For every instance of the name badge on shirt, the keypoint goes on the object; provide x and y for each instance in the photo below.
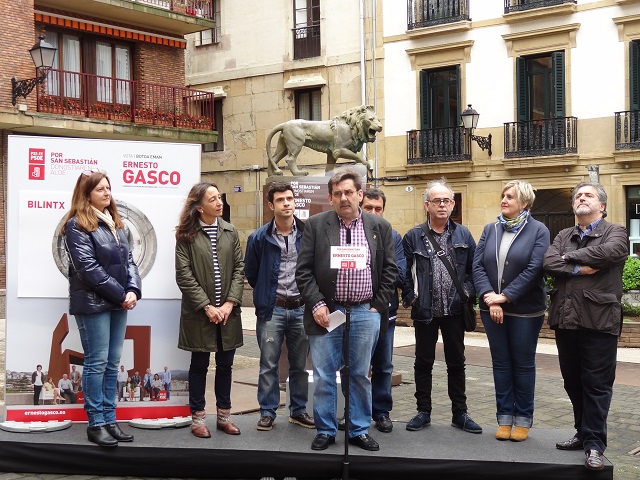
(349, 258)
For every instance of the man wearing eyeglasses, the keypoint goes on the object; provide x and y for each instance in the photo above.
(435, 303)
(365, 291)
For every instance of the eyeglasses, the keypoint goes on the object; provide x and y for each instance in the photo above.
(346, 193)
(88, 173)
(440, 201)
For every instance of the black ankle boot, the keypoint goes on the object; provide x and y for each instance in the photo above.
(100, 436)
(115, 431)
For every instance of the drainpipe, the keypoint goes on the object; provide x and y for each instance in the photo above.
(363, 69)
(375, 101)
(256, 169)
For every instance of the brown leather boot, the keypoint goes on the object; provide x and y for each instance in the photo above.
(519, 434)
(198, 426)
(225, 424)
(504, 432)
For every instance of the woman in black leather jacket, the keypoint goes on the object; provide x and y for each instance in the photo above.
(104, 284)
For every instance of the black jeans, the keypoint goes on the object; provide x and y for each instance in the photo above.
(36, 394)
(588, 365)
(452, 328)
(68, 393)
(198, 377)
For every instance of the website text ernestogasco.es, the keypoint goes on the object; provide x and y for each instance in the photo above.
(44, 413)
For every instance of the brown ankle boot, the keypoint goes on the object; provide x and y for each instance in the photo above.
(519, 434)
(225, 424)
(504, 432)
(198, 426)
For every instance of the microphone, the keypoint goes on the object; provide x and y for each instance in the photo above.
(348, 236)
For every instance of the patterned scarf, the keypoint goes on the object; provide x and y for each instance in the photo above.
(513, 225)
(106, 218)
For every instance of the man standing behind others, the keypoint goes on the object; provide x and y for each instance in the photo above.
(166, 381)
(146, 383)
(270, 267)
(435, 303)
(367, 291)
(122, 381)
(76, 379)
(586, 264)
(375, 201)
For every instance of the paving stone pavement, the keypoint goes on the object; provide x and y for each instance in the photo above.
(552, 410)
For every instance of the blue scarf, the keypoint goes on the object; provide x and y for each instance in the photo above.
(513, 225)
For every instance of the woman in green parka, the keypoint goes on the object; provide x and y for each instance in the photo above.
(210, 275)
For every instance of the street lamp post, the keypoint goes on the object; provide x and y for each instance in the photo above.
(470, 121)
(43, 55)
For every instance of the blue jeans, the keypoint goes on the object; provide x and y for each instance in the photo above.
(102, 337)
(513, 355)
(327, 359)
(381, 374)
(120, 390)
(270, 335)
(167, 388)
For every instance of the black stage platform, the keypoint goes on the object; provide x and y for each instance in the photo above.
(438, 451)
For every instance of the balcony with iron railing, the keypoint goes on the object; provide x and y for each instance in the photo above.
(546, 136)
(306, 42)
(106, 98)
(512, 6)
(428, 13)
(179, 17)
(437, 145)
(627, 130)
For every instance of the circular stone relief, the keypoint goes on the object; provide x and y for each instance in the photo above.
(139, 231)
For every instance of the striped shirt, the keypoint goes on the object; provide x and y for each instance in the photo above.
(212, 231)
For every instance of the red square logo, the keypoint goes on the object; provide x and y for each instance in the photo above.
(36, 172)
(36, 155)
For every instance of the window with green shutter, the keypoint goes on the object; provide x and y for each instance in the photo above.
(540, 89)
(440, 98)
(634, 75)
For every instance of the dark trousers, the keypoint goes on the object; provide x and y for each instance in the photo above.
(198, 377)
(588, 365)
(452, 329)
(36, 393)
(68, 393)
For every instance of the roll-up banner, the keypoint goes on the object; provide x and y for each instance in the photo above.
(149, 182)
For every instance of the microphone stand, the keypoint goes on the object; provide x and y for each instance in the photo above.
(346, 377)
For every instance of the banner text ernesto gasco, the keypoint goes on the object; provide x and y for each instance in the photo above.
(144, 169)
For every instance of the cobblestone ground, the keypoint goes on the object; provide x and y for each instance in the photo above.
(553, 410)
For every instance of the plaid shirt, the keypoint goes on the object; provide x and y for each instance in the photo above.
(354, 286)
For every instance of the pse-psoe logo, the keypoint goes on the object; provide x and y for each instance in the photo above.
(36, 164)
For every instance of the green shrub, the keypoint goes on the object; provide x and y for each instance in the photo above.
(548, 282)
(631, 274)
(630, 310)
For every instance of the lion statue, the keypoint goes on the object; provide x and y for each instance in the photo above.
(341, 137)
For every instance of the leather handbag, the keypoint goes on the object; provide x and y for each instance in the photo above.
(468, 304)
